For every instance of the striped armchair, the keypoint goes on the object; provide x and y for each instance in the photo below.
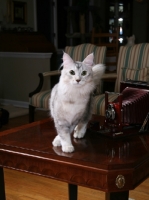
(40, 97)
(133, 63)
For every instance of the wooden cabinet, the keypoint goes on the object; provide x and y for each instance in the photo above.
(79, 25)
(119, 15)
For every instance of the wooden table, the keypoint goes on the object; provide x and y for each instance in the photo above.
(114, 166)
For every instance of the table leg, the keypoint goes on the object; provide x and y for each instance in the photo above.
(2, 185)
(73, 191)
(117, 195)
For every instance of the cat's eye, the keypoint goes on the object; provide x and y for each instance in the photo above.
(72, 72)
(84, 73)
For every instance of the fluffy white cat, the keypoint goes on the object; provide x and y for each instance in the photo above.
(71, 99)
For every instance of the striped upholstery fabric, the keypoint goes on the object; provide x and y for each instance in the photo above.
(133, 74)
(78, 53)
(40, 100)
(135, 57)
(99, 103)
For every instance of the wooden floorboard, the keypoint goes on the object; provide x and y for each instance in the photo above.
(23, 186)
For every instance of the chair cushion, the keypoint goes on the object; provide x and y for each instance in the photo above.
(99, 103)
(40, 100)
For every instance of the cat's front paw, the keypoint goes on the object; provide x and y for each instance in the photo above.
(68, 148)
(56, 142)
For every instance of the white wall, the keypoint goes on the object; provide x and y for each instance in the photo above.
(19, 74)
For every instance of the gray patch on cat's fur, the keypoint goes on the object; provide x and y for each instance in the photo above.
(87, 112)
(71, 102)
(78, 64)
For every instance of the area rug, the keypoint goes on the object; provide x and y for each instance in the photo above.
(15, 111)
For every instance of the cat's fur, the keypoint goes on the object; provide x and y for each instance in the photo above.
(130, 40)
(71, 99)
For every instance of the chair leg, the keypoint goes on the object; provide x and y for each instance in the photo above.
(31, 113)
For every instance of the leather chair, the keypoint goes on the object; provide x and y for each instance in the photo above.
(39, 98)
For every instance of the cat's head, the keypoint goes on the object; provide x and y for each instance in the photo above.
(76, 72)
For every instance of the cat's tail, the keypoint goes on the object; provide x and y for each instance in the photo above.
(98, 71)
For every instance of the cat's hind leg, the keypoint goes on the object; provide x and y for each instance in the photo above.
(80, 130)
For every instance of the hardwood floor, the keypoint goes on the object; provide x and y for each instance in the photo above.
(23, 186)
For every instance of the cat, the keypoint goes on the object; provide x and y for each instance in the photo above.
(72, 98)
(130, 40)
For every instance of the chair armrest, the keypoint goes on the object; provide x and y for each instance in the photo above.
(109, 76)
(57, 72)
(41, 80)
(51, 73)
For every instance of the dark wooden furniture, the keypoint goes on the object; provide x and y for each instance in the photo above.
(111, 165)
(110, 40)
(25, 42)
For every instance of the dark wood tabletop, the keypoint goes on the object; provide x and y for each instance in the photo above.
(112, 165)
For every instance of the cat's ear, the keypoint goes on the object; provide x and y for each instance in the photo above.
(89, 60)
(67, 60)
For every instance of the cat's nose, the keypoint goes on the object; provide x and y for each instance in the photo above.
(78, 80)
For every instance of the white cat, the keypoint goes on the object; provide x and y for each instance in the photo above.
(130, 40)
(71, 99)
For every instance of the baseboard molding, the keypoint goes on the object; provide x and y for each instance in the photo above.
(21, 104)
(25, 55)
